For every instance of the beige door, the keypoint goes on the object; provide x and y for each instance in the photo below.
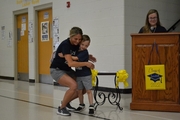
(44, 44)
(22, 47)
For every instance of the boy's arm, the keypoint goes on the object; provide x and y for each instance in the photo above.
(92, 58)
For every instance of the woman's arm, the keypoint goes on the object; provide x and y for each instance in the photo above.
(72, 63)
(73, 57)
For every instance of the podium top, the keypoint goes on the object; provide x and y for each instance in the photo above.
(154, 34)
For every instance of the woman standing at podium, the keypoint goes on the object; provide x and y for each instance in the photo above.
(152, 23)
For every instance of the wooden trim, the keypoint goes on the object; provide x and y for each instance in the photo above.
(155, 107)
(154, 34)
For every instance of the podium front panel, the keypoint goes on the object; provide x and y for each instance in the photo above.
(168, 48)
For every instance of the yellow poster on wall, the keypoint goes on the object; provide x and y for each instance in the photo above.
(155, 77)
(26, 3)
(35, 1)
(18, 1)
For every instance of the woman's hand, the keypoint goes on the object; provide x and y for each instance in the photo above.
(92, 58)
(61, 55)
(90, 65)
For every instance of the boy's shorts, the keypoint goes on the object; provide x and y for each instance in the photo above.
(85, 81)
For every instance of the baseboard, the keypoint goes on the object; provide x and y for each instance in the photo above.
(32, 80)
(106, 89)
(120, 90)
(6, 78)
(56, 84)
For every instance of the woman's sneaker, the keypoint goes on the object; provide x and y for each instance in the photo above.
(63, 111)
(80, 108)
(91, 110)
(70, 108)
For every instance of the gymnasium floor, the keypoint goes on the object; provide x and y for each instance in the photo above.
(21, 100)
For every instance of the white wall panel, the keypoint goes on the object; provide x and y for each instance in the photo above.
(109, 23)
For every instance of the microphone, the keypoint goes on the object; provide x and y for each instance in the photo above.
(153, 29)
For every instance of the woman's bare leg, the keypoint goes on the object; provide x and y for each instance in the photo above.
(67, 81)
(75, 95)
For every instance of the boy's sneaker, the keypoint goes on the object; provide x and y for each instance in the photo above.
(63, 111)
(70, 108)
(80, 108)
(91, 110)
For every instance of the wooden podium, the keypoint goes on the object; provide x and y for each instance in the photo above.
(169, 50)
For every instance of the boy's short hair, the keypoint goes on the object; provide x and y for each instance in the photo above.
(86, 38)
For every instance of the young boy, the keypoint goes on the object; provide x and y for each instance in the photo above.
(83, 75)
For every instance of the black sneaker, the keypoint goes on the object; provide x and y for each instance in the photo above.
(80, 108)
(70, 108)
(91, 110)
(63, 111)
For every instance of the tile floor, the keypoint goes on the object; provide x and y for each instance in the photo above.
(21, 100)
